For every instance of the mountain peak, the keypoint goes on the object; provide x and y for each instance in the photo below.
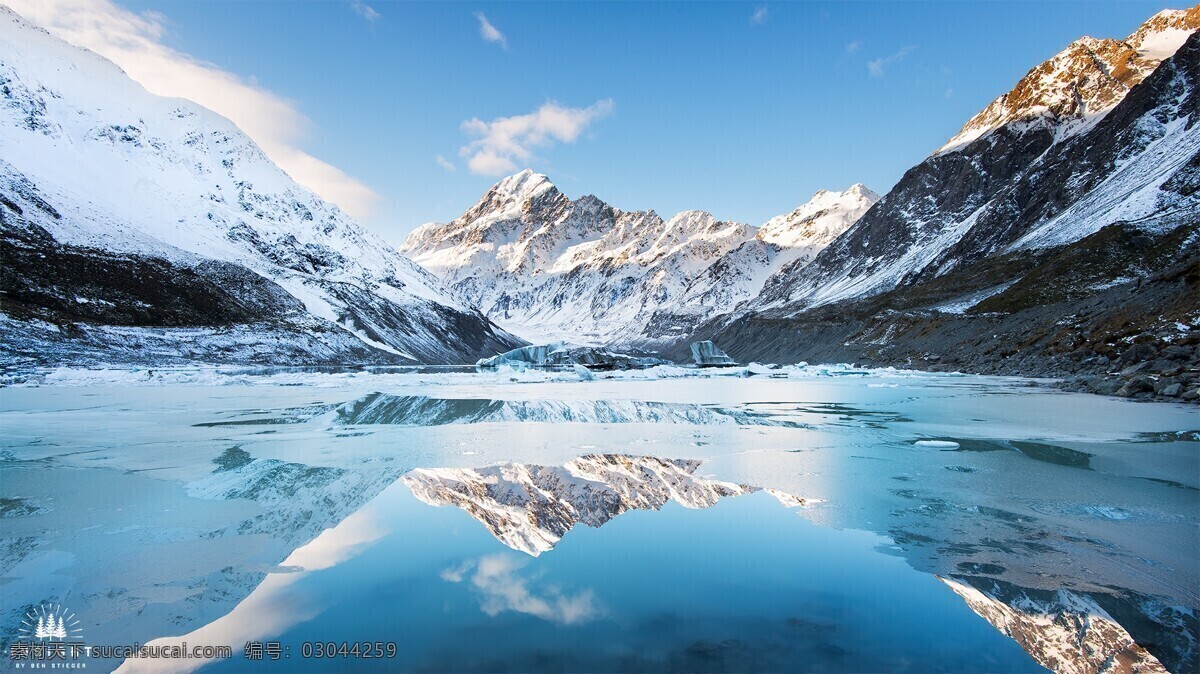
(511, 196)
(691, 218)
(861, 190)
(208, 231)
(523, 185)
(1078, 86)
(1164, 33)
(821, 219)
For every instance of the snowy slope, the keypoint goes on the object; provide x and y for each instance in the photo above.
(127, 172)
(1034, 174)
(547, 267)
(787, 241)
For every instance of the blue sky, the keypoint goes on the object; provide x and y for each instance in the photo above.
(741, 109)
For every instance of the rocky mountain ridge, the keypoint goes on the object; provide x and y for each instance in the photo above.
(1029, 250)
(1074, 89)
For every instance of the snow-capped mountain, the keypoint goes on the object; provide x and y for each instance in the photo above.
(134, 223)
(1078, 86)
(1046, 164)
(548, 267)
(787, 241)
(1056, 230)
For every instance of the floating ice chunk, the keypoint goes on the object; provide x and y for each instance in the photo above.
(1108, 512)
(937, 444)
(559, 354)
(535, 354)
(706, 354)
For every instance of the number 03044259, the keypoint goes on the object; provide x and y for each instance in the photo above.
(344, 649)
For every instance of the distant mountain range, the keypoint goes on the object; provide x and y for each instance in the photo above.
(549, 268)
(1058, 233)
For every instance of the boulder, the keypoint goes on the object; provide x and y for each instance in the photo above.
(1139, 384)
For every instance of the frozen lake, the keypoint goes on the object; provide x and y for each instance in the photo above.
(800, 519)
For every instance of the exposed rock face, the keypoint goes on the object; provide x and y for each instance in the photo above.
(583, 271)
(141, 228)
(529, 508)
(1028, 250)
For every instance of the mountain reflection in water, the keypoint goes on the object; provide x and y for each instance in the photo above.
(996, 545)
(1065, 631)
(382, 408)
(529, 508)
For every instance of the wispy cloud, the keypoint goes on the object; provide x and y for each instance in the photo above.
(134, 42)
(853, 46)
(876, 66)
(502, 588)
(759, 16)
(445, 163)
(489, 32)
(948, 94)
(504, 141)
(365, 11)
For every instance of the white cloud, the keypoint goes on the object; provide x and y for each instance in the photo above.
(365, 11)
(133, 42)
(489, 32)
(949, 93)
(504, 141)
(502, 589)
(876, 66)
(759, 16)
(853, 46)
(445, 163)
